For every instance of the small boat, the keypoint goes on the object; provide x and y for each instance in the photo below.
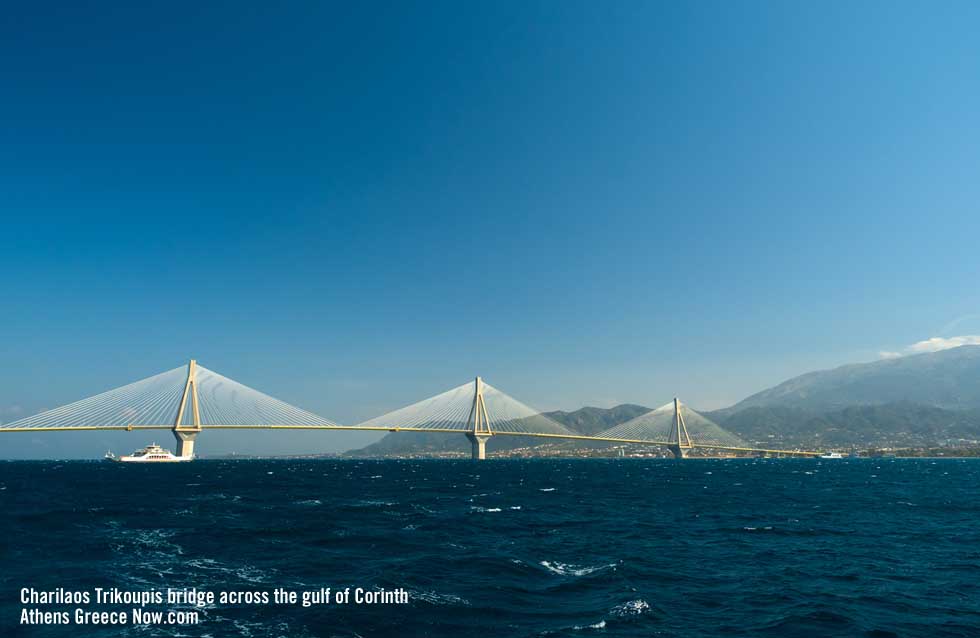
(152, 453)
(832, 455)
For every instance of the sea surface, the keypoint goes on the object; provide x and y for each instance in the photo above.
(782, 548)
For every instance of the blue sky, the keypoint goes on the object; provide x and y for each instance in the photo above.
(352, 208)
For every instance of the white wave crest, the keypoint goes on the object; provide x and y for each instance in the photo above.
(631, 608)
(564, 569)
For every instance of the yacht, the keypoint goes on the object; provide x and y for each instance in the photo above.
(832, 455)
(152, 453)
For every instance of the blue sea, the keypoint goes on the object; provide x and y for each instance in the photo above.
(782, 548)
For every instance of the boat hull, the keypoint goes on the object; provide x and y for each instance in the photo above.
(137, 459)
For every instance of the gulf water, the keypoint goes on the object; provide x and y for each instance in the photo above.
(782, 548)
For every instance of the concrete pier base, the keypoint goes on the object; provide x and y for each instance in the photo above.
(185, 442)
(678, 451)
(479, 442)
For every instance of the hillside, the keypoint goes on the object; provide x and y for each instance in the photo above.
(899, 424)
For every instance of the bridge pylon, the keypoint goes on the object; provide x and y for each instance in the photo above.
(187, 433)
(679, 438)
(479, 422)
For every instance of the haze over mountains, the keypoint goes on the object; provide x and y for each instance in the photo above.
(921, 400)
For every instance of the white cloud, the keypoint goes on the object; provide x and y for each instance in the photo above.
(934, 344)
(944, 343)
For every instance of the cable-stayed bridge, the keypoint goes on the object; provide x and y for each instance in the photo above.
(191, 398)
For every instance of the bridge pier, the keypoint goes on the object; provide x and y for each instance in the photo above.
(677, 451)
(479, 442)
(185, 442)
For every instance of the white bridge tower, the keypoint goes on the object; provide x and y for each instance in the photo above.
(478, 425)
(185, 434)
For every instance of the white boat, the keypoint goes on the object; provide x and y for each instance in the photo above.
(832, 455)
(152, 453)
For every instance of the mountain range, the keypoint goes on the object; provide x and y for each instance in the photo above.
(948, 379)
(930, 399)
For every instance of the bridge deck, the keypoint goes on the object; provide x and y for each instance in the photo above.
(380, 428)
